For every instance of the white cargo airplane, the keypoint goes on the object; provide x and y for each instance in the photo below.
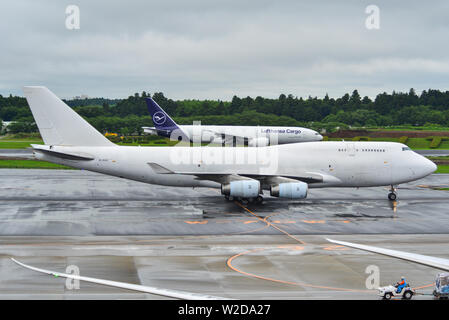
(255, 136)
(242, 173)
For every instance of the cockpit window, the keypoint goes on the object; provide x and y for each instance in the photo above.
(317, 134)
(405, 148)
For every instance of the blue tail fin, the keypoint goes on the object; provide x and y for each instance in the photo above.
(162, 121)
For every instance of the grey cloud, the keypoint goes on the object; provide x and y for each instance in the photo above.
(215, 49)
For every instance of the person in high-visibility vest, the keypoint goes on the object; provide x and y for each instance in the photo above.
(401, 285)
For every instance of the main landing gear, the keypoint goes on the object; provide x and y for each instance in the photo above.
(392, 195)
(258, 199)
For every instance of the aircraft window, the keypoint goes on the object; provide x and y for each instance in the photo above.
(405, 148)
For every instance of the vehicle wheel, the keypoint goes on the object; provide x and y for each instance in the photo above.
(392, 196)
(259, 199)
(387, 296)
(407, 295)
(227, 197)
(244, 201)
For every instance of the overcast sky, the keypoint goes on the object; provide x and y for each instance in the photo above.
(217, 49)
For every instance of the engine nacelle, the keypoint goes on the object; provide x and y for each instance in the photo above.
(291, 190)
(241, 188)
(259, 142)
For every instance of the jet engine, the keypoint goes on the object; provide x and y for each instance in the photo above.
(259, 142)
(241, 188)
(291, 190)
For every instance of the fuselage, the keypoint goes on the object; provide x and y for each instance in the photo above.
(341, 164)
(218, 134)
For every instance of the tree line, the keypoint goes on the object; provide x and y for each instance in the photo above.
(129, 115)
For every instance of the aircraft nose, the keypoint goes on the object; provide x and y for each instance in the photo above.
(428, 166)
(431, 166)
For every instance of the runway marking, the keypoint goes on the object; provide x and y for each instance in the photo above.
(313, 221)
(250, 221)
(291, 247)
(335, 248)
(283, 222)
(196, 222)
(230, 265)
(270, 224)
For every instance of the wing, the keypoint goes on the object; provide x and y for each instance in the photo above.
(135, 287)
(223, 177)
(438, 263)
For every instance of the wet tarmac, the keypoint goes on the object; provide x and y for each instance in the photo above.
(194, 240)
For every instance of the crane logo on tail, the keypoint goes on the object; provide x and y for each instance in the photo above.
(159, 118)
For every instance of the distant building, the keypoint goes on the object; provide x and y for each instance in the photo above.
(81, 97)
(6, 123)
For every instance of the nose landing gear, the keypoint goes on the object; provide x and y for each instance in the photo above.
(392, 196)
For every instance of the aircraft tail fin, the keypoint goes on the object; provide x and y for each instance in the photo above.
(58, 123)
(162, 121)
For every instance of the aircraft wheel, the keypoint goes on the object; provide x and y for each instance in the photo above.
(244, 201)
(227, 197)
(392, 196)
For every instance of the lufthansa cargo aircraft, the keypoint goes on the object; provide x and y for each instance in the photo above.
(287, 171)
(254, 136)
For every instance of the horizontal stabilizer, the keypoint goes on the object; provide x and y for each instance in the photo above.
(63, 155)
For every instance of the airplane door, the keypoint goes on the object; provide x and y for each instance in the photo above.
(385, 172)
(351, 174)
(351, 149)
